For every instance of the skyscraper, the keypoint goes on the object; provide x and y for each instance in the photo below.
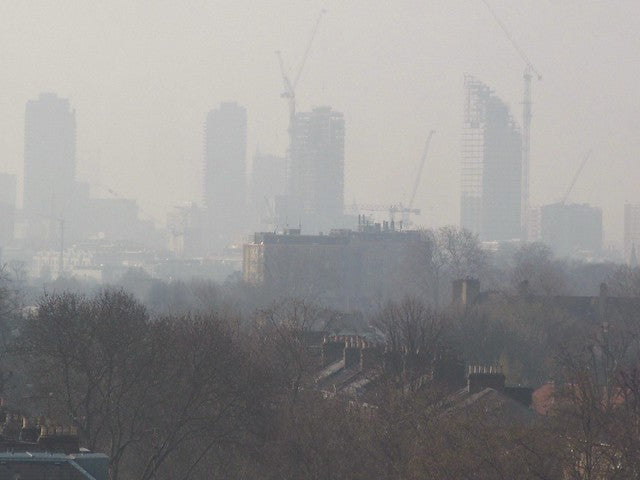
(631, 232)
(225, 151)
(49, 156)
(316, 171)
(491, 166)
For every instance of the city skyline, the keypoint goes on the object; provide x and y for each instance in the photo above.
(392, 89)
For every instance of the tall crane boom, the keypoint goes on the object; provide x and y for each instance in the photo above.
(290, 90)
(512, 40)
(289, 86)
(420, 168)
(308, 48)
(576, 176)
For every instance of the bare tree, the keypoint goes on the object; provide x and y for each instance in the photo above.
(413, 333)
(535, 270)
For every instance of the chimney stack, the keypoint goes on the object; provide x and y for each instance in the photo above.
(481, 377)
(351, 354)
(466, 291)
(331, 350)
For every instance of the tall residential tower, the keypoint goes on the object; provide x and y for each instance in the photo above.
(491, 166)
(315, 187)
(225, 152)
(49, 156)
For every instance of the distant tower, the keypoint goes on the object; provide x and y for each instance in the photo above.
(316, 171)
(49, 156)
(225, 151)
(491, 167)
(631, 231)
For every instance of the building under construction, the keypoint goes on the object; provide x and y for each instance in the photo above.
(491, 166)
(316, 170)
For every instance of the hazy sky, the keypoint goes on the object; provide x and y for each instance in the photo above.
(141, 76)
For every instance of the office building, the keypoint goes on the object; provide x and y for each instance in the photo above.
(491, 166)
(49, 156)
(572, 230)
(225, 151)
(342, 269)
(315, 189)
(631, 233)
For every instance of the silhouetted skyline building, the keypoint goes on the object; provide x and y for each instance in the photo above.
(491, 166)
(49, 156)
(315, 187)
(572, 230)
(225, 152)
(631, 232)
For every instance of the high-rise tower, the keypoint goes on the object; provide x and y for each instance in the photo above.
(49, 156)
(491, 166)
(225, 151)
(632, 233)
(316, 171)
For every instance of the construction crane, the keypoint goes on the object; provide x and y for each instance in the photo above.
(289, 86)
(400, 208)
(575, 177)
(527, 115)
(423, 159)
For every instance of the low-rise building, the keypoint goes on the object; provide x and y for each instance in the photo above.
(345, 269)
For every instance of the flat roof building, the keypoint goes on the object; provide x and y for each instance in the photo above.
(315, 187)
(572, 230)
(345, 269)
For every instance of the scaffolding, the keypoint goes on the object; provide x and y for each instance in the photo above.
(491, 166)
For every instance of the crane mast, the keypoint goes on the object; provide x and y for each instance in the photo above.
(526, 151)
(290, 87)
(290, 91)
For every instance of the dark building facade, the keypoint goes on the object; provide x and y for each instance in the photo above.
(491, 166)
(344, 269)
(225, 151)
(49, 156)
(315, 187)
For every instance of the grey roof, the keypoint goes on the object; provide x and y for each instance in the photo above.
(81, 466)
